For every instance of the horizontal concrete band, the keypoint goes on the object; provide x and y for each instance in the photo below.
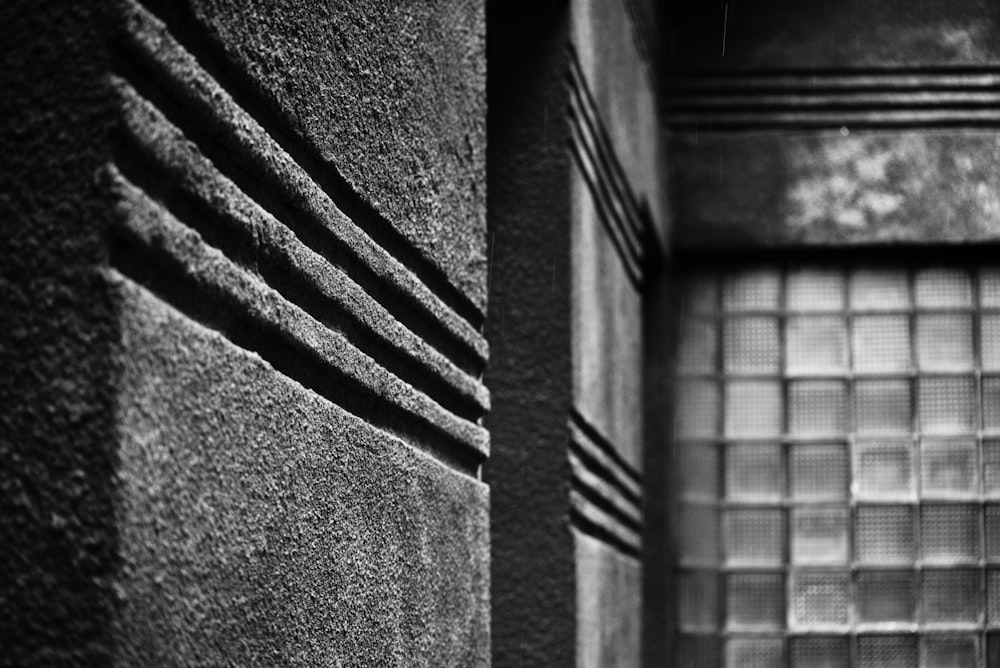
(300, 191)
(153, 248)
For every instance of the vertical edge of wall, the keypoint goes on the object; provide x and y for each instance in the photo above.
(528, 328)
(58, 538)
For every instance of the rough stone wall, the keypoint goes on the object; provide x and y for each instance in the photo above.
(244, 265)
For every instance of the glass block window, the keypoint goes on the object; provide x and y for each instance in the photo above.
(837, 449)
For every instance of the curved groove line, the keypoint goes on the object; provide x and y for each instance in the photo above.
(605, 496)
(149, 246)
(609, 472)
(630, 476)
(596, 530)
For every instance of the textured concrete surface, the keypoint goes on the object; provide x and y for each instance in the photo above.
(394, 98)
(609, 606)
(261, 525)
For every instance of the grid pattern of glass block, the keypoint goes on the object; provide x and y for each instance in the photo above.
(837, 442)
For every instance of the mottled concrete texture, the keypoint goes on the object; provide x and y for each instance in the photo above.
(828, 189)
(392, 94)
(261, 525)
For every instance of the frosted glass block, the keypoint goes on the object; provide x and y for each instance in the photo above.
(883, 469)
(951, 596)
(815, 290)
(754, 536)
(819, 472)
(817, 407)
(821, 652)
(816, 344)
(886, 596)
(942, 288)
(881, 342)
(753, 290)
(698, 600)
(950, 651)
(992, 521)
(749, 652)
(884, 535)
(883, 406)
(879, 289)
(949, 532)
(949, 468)
(751, 345)
(944, 341)
(993, 597)
(989, 341)
(991, 467)
(991, 403)
(819, 535)
(697, 412)
(753, 408)
(755, 601)
(699, 534)
(947, 405)
(820, 599)
(754, 472)
(887, 651)
(699, 294)
(989, 287)
(699, 651)
(698, 470)
(698, 348)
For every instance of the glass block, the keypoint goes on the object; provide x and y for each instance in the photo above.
(884, 535)
(699, 651)
(949, 468)
(992, 522)
(698, 600)
(818, 472)
(989, 341)
(949, 532)
(820, 652)
(748, 652)
(815, 290)
(755, 601)
(879, 290)
(947, 405)
(991, 402)
(887, 651)
(883, 469)
(753, 408)
(754, 536)
(944, 341)
(991, 467)
(881, 342)
(699, 534)
(752, 290)
(951, 596)
(816, 344)
(993, 597)
(751, 345)
(697, 412)
(820, 599)
(819, 535)
(817, 407)
(950, 651)
(883, 406)
(886, 596)
(698, 470)
(942, 288)
(753, 472)
(698, 347)
(699, 293)
(989, 287)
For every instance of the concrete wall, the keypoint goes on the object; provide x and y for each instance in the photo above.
(244, 271)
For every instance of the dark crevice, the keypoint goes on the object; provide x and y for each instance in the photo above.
(598, 500)
(598, 439)
(597, 532)
(604, 473)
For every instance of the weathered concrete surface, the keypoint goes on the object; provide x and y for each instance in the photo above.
(823, 188)
(261, 525)
(609, 607)
(785, 34)
(392, 94)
